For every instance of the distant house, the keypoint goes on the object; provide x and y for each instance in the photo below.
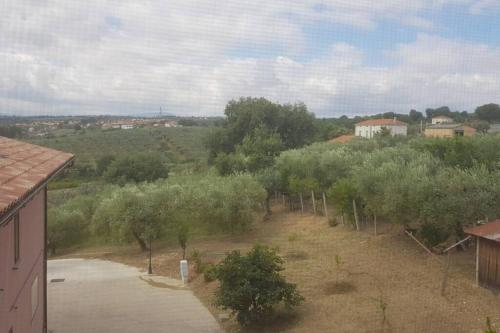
(368, 128)
(126, 126)
(342, 139)
(441, 120)
(25, 170)
(449, 131)
(487, 253)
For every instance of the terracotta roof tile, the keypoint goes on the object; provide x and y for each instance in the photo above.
(23, 168)
(342, 139)
(381, 122)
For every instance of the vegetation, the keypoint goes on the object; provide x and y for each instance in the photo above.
(255, 131)
(440, 184)
(134, 168)
(181, 149)
(158, 210)
(251, 285)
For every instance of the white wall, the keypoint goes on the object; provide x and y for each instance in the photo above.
(370, 131)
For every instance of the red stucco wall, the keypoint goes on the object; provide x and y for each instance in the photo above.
(15, 300)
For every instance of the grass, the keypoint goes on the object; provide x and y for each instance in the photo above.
(385, 282)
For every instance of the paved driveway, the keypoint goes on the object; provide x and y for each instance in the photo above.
(102, 296)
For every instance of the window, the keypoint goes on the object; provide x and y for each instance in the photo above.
(17, 253)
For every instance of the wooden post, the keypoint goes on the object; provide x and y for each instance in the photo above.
(343, 222)
(375, 224)
(283, 197)
(445, 276)
(419, 243)
(314, 202)
(324, 205)
(355, 214)
(301, 203)
(477, 261)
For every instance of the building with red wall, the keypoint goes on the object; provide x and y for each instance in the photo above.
(25, 171)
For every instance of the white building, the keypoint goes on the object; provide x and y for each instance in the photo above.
(368, 128)
(438, 120)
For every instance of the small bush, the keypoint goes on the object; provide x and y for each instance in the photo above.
(195, 257)
(210, 273)
(332, 222)
(251, 285)
(489, 328)
(432, 234)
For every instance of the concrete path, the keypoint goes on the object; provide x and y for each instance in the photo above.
(103, 296)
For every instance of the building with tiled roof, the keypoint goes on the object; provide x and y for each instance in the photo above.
(369, 128)
(441, 120)
(25, 171)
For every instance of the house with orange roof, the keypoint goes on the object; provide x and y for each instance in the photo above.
(25, 171)
(369, 128)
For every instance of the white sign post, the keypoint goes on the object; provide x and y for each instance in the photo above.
(184, 271)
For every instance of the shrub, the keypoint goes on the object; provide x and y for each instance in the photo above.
(210, 273)
(433, 234)
(251, 285)
(195, 257)
(489, 328)
(332, 222)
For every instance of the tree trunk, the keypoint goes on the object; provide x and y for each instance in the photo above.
(268, 205)
(314, 202)
(283, 197)
(324, 205)
(355, 214)
(141, 242)
(301, 203)
(375, 223)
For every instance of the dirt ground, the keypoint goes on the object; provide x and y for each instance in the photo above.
(384, 283)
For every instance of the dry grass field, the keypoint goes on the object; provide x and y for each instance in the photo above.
(384, 283)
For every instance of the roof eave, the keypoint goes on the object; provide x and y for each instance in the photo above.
(16, 207)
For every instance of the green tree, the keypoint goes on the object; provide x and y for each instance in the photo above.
(488, 112)
(65, 228)
(127, 215)
(182, 237)
(251, 285)
(103, 163)
(141, 167)
(260, 148)
(252, 118)
(269, 179)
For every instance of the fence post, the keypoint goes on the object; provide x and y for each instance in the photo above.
(355, 214)
(301, 203)
(314, 202)
(324, 205)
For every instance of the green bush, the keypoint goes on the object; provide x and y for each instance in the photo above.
(251, 285)
(433, 234)
(332, 222)
(195, 257)
(210, 273)
(136, 168)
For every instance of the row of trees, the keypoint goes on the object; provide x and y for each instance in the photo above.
(439, 185)
(162, 209)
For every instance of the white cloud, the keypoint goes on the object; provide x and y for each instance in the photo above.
(126, 56)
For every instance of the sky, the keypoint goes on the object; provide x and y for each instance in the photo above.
(190, 57)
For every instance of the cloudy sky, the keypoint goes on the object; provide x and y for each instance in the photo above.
(191, 56)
